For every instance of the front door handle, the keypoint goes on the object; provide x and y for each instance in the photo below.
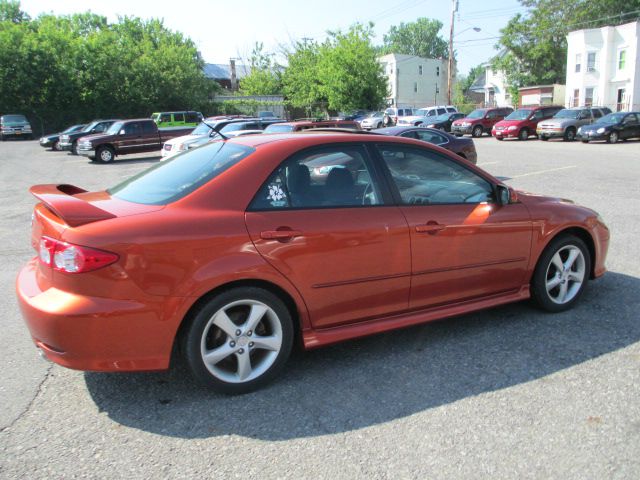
(280, 234)
(430, 227)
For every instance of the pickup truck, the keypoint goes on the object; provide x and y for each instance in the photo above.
(125, 137)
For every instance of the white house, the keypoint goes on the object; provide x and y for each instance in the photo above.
(493, 84)
(415, 81)
(603, 67)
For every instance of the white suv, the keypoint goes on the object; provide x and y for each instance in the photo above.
(425, 115)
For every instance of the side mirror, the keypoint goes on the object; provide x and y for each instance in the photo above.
(121, 132)
(506, 195)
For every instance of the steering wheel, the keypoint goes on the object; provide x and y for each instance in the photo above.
(477, 192)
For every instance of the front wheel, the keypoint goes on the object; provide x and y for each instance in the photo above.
(523, 135)
(543, 138)
(499, 139)
(105, 154)
(561, 274)
(570, 135)
(613, 137)
(476, 132)
(239, 340)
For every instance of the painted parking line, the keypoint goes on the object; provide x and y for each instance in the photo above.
(544, 171)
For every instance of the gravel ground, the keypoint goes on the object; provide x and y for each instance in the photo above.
(506, 393)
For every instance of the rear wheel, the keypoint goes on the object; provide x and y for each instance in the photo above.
(570, 134)
(561, 274)
(477, 131)
(239, 340)
(585, 141)
(523, 135)
(613, 137)
(105, 154)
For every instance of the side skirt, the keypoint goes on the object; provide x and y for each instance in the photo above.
(314, 338)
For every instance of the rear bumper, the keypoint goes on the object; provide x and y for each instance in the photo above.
(92, 333)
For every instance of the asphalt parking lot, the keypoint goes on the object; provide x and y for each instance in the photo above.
(507, 393)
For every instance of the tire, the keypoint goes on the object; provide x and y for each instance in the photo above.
(523, 135)
(499, 139)
(543, 138)
(613, 137)
(227, 329)
(569, 134)
(558, 281)
(477, 131)
(379, 125)
(584, 141)
(105, 154)
(74, 148)
(56, 147)
(417, 124)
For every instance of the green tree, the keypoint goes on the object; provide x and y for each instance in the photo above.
(10, 12)
(342, 73)
(264, 78)
(536, 44)
(419, 38)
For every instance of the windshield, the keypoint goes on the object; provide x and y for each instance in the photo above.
(521, 114)
(74, 128)
(479, 113)
(567, 113)
(375, 114)
(10, 119)
(612, 118)
(278, 128)
(172, 180)
(89, 127)
(202, 129)
(115, 128)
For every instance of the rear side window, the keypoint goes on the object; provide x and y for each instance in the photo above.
(147, 128)
(441, 111)
(165, 117)
(451, 110)
(178, 117)
(174, 179)
(133, 128)
(597, 113)
(192, 117)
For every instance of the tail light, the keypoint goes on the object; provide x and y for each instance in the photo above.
(70, 258)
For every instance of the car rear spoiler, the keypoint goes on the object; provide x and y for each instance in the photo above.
(74, 211)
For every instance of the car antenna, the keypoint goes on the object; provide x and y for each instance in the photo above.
(224, 137)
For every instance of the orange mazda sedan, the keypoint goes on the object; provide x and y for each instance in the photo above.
(233, 251)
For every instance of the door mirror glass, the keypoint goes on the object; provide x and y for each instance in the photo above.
(506, 195)
(122, 132)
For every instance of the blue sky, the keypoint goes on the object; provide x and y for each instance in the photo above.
(225, 29)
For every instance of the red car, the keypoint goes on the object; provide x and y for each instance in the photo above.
(232, 252)
(480, 121)
(523, 122)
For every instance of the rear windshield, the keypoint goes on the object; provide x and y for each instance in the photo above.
(521, 114)
(278, 128)
(174, 179)
(13, 119)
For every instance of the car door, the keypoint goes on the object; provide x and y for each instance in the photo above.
(323, 220)
(129, 137)
(464, 245)
(630, 126)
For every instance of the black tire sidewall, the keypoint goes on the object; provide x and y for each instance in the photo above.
(192, 336)
(522, 136)
(476, 132)
(99, 154)
(538, 281)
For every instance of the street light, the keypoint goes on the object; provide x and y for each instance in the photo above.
(450, 68)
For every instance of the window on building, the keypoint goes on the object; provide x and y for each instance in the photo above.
(578, 62)
(419, 69)
(415, 87)
(588, 96)
(591, 62)
(437, 71)
(622, 58)
(576, 98)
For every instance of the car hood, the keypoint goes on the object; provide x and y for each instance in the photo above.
(95, 136)
(595, 126)
(529, 198)
(460, 121)
(557, 122)
(509, 123)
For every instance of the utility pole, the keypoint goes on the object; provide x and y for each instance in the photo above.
(454, 9)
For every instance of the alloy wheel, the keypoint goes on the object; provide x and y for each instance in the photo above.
(565, 274)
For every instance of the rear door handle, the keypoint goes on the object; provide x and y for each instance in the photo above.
(430, 227)
(280, 234)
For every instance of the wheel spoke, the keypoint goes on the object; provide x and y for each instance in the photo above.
(573, 254)
(255, 315)
(224, 323)
(267, 343)
(217, 354)
(557, 262)
(244, 364)
(553, 283)
(575, 277)
(562, 295)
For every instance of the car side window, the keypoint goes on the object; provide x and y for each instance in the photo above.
(191, 117)
(101, 127)
(165, 117)
(423, 177)
(431, 137)
(178, 117)
(409, 134)
(337, 176)
(147, 128)
(538, 115)
(492, 114)
(451, 109)
(132, 128)
(596, 112)
(630, 119)
(441, 111)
